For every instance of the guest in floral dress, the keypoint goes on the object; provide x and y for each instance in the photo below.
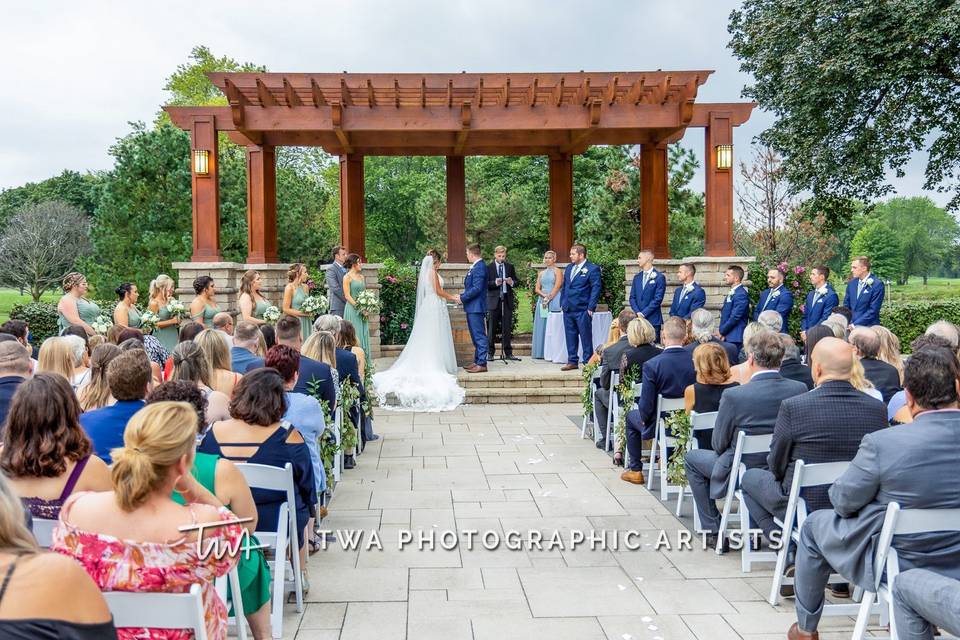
(129, 539)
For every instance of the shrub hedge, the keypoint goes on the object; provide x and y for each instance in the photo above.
(398, 301)
(907, 320)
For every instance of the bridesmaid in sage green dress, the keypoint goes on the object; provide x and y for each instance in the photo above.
(74, 308)
(161, 293)
(352, 286)
(204, 307)
(125, 314)
(251, 303)
(293, 296)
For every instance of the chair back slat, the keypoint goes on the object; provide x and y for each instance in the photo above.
(158, 610)
(912, 521)
(759, 443)
(702, 421)
(671, 404)
(43, 531)
(821, 473)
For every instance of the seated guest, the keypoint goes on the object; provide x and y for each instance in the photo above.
(889, 349)
(350, 362)
(859, 380)
(256, 433)
(771, 320)
(133, 538)
(641, 336)
(668, 374)
(613, 335)
(56, 356)
(190, 364)
(814, 335)
(791, 368)
(610, 362)
(217, 353)
(222, 478)
(134, 339)
(897, 410)
(915, 465)
(96, 393)
(129, 378)
(289, 333)
(188, 331)
(21, 331)
(946, 330)
(269, 336)
(44, 595)
(751, 408)
(741, 372)
(843, 311)
(223, 325)
(838, 324)
(825, 425)
(15, 367)
(703, 327)
(347, 340)
(246, 342)
(884, 377)
(46, 455)
(713, 378)
(81, 356)
(924, 601)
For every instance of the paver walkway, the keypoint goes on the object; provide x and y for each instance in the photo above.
(518, 467)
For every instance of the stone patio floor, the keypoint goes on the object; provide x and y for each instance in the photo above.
(519, 467)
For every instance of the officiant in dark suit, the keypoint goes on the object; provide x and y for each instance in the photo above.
(501, 280)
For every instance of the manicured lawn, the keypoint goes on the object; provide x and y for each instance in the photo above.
(935, 289)
(524, 313)
(11, 297)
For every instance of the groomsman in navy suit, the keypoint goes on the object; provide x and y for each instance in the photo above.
(777, 298)
(646, 292)
(864, 295)
(578, 300)
(819, 301)
(689, 296)
(474, 301)
(736, 308)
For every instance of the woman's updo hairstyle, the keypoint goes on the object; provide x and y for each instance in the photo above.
(351, 260)
(123, 290)
(155, 439)
(437, 258)
(161, 283)
(294, 271)
(201, 283)
(72, 280)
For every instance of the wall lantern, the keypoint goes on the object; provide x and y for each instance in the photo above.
(724, 156)
(201, 162)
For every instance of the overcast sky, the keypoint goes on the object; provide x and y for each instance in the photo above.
(77, 72)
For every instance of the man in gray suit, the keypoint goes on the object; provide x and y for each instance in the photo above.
(752, 408)
(610, 362)
(922, 599)
(913, 464)
(334, 279)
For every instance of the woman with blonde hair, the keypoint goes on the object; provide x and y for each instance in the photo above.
(161, 293)
(44, 595)
(613, 336)
(252, 304)
(215, 350)
(74, 308)
(889, 348)
(858, 378)
(96, 393)
(641, 336)
(549, 284)
(56, 356)
(293, 296)
(322, 346)
(190, 363)
(136, 537)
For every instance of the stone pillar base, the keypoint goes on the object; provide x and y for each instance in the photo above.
(709, 276)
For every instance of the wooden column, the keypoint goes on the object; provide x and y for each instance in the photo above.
(654, 226)
(261, 205)
(206, 192)
(351, 204)
(718, 218)
(456, 210)
(561, 204)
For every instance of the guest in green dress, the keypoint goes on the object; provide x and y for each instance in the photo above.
(125, 314)
(204, 306)
(352, 286)
(74, 308)
(222, 478)
(161, 293)
(293, 296)
(252, 304)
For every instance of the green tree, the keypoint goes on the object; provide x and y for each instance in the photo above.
(877, 240)
(189, 85)
(686, 205)
(856, 88)
(70, 187)
(927, 234)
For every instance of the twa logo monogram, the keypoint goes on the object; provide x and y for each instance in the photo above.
(218, 548)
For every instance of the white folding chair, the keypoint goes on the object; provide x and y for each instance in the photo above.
(158, 610)
(746, 444)
(237, 620)
(613, 400)
(898, 522)
(660, 444)
(804, 476)
(338, 436)
(43, 531)
(592, 416)
(287, 575)
(698, 422)
(616, 419)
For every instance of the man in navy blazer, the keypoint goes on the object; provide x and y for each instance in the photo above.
(864, 295)
(689, 296)
(129, 377)
(578, 300)
(776, 298)
(736, 308)
(668, 374)
(245, 341)
(474, 301)
(647, 290)
(819, 302)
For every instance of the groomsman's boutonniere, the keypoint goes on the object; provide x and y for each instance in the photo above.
(869, 281)
(775, 294)
(729, 297)
(583, 271)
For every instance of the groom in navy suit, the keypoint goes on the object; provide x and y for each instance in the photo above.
(474, 301)
(578, 300)
(864, 295)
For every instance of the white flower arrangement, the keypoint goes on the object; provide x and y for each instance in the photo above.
(869, 281)
(583, 271)
(367, 303)
(315, 304)
(148, 321)
(175, 308)
(271, 314)
(102, 324)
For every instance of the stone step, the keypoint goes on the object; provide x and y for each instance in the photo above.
(539, 395)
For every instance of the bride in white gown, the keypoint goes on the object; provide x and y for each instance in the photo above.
(424, 376)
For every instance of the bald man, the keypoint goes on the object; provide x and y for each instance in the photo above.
(823, 425)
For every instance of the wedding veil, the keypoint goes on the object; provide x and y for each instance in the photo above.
(424, 284)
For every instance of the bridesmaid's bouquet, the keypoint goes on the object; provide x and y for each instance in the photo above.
(367, 303)
(315, 304)
(148, 321)
(102, 324)
(271, 314)
(176, 309)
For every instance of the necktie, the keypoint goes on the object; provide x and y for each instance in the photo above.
(503, 282)
(573, 273)
(646, 278)
(860, 288)
(767, 301)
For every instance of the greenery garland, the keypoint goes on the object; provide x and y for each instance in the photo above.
(679, 426)
(327, 441)
(586, 396)
(626, 396)
(349, 394)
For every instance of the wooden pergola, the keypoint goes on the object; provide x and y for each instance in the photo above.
(558, 115)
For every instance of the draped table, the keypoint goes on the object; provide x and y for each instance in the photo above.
(555, 341)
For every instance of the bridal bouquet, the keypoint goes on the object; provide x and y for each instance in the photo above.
(176, 309)
(271, 314)
(148, 321)
(315, 304)
(367, 303)
(102, 324)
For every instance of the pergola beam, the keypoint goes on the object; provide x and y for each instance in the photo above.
(293, 100)
(266, 98)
